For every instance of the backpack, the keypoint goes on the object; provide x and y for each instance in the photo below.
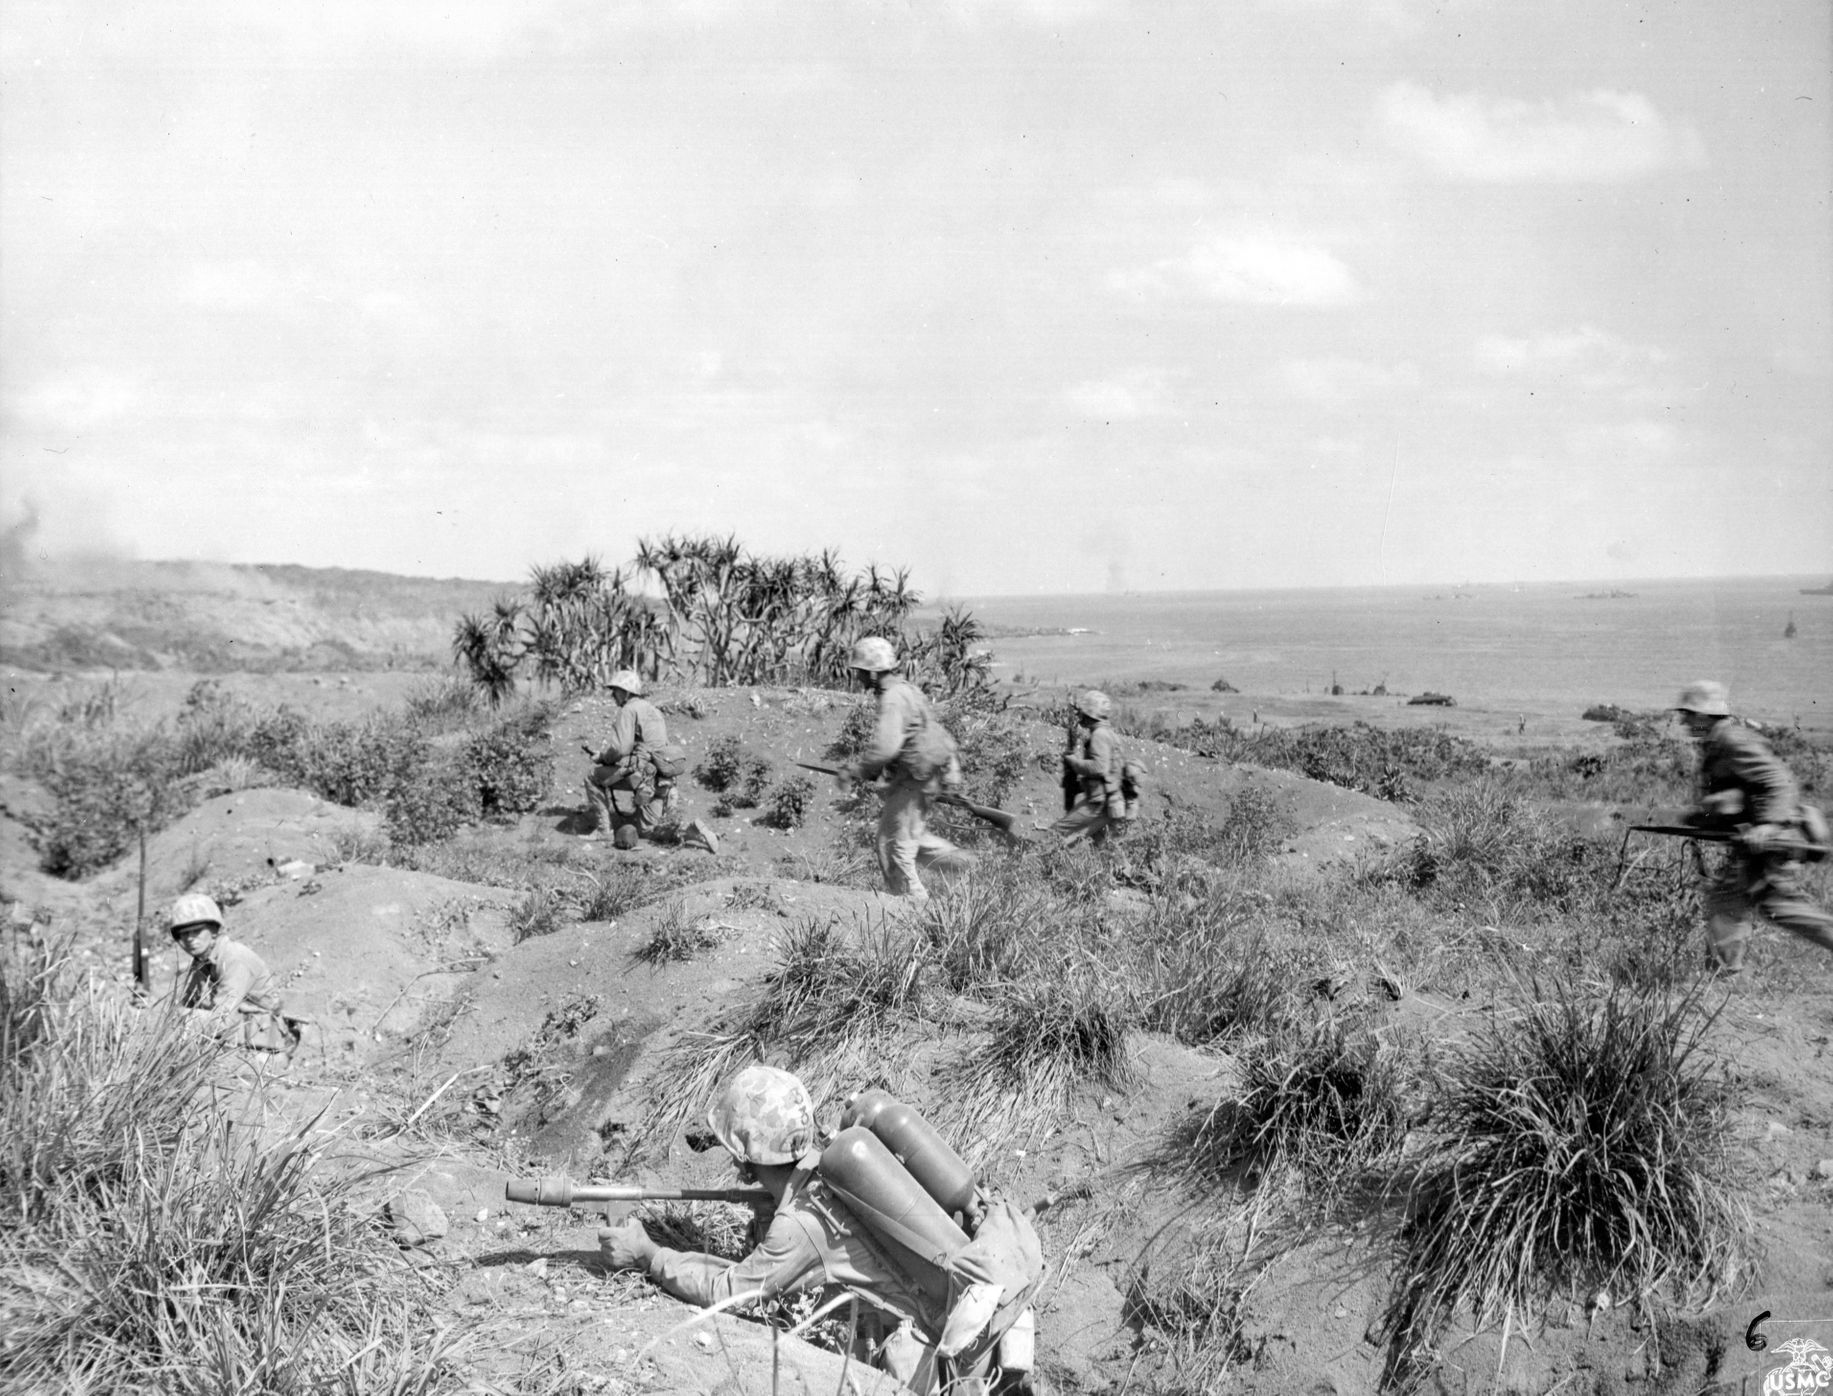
(1132, 780)
(929, 751)
(669, 761)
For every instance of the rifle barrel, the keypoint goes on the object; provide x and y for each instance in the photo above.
(564, 1192)
(1685, 831)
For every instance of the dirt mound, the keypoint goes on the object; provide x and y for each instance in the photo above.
(236, 841)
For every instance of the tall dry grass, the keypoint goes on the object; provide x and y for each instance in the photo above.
(153, 1243)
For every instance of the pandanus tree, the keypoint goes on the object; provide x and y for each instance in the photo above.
(723, 616)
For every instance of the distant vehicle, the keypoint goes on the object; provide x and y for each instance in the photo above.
(1432, 700)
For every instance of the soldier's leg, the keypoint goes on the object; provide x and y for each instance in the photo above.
(1085, 821)
(598, 799)
(934, 851)
(911, 1360)
(1728, 910)
(900, 829)
(1784, 900)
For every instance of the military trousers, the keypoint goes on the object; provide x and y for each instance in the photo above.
(1747, 884)
(906, 842)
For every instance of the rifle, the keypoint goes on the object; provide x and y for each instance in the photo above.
(1071, 782)
(1697, 835)
(564, 1192)
(998, 818)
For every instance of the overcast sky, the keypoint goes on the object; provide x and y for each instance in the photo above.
(1031, 295)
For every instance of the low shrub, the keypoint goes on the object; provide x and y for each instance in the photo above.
(511, 764)
(723, 765)
(106, 788)
(786, 803)
(1482, 845)
(430, 804)
(1579, 1144)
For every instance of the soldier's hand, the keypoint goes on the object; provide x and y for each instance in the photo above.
(848, 775)
(1763, 838)
(626, 1247)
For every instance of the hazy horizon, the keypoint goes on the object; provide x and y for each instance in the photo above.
(43, 567)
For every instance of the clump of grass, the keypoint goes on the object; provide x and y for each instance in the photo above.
(1221, 970)
(1194, 1312)
(837, 989)
(724, 1229)
(1581, 1144)
(613, 891)
(786, 803)
(678, 935)
(1050, 1034)
(1315, 1110)
(540, 911)
(1484, 846)
(755, 896)
(982, 927)
(153, 1244)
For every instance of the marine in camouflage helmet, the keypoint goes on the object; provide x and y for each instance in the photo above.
(764, 1116)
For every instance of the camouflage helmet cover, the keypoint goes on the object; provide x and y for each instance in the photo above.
(192, 909)
(627, 680)
(873, 653)
(1094, 704)
(764, 1116)
(1706, 698)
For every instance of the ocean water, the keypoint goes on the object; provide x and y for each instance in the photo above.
(1491, 646)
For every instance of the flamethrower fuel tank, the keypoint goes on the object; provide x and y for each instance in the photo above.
(915, 1143)
(889, 1203)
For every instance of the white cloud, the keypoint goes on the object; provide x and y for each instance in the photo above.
(84, 401)
(1637, 442)
(1596, 136)
(1252, 270)
(1139, 392)
(1337, 382)
(243, 285)
(1586, 357)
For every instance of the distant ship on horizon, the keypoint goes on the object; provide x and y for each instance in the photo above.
(1826, 590)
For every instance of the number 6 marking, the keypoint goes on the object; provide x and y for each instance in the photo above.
(1753, 1338)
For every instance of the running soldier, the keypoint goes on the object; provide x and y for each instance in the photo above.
(914, 751)
(1744, 788)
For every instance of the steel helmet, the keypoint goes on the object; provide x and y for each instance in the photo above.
(1705, 698)
(627, 680)
(764, 1115)
(874, 654)
(192, 909)
(1094, 704)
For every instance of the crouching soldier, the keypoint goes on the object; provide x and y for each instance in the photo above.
(632, 784)
(229, 987)
(1745, 788)
(932, 1339)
